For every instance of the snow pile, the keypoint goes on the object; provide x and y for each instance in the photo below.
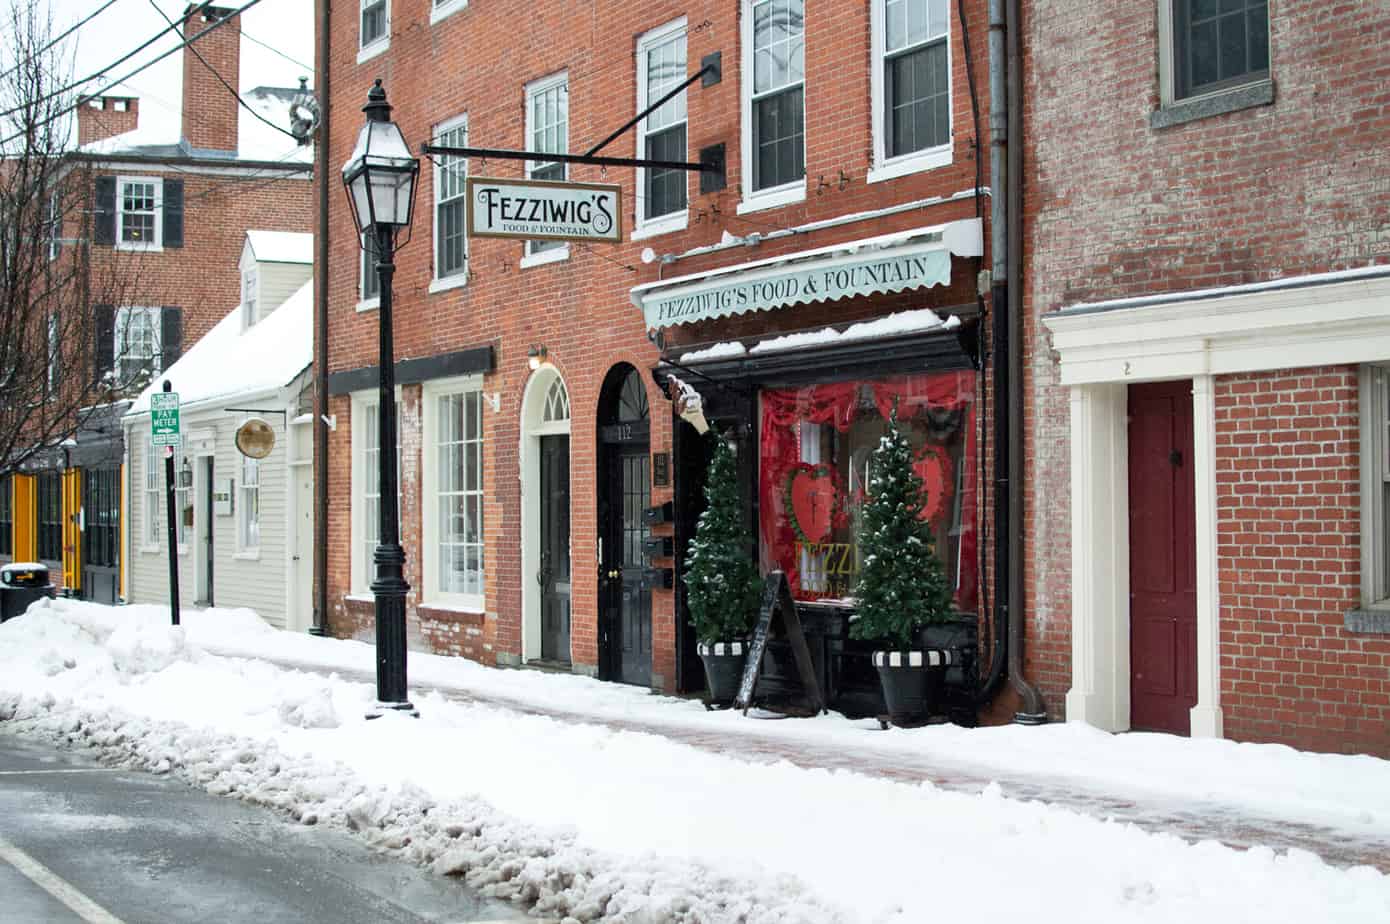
(725, 350)
(584, 822)
(901, 322)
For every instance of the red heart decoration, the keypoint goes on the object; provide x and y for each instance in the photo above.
(813, 503)
(931, 468)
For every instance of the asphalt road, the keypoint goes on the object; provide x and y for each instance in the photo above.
(84, 843)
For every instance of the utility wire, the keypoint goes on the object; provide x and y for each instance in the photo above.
(98, 74)
(271, 48)
(88, 18)
(222, 80)
(182, 44)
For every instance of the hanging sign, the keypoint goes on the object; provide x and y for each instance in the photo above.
(164, 418)
(542, 210)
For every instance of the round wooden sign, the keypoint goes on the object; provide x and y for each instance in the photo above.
(255, 439)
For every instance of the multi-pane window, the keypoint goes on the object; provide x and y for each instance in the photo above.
(154, 465)
(249, 504)
(547, 130)
(248, 294)
(450, 233)
(371, 280)
(778, 93)
(138, 212)
(374, 16)
(459, 493)
(660, 68)
(916, 109)
(50, 516)
(370, 491)
(1375, 481)
(1219, 44)
(6, 515)
(136, 344)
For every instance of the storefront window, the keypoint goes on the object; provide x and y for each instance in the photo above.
(814, 460)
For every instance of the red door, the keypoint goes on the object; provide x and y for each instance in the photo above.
(1162, 558)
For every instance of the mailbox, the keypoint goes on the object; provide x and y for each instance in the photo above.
(661, 513)
(659, 547)
(658, 578)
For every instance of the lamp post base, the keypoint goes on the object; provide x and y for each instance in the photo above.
(380, 709)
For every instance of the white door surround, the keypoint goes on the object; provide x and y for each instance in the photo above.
(544, 412)
(1335, 318)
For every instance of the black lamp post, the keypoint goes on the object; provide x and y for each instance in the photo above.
(380, 179)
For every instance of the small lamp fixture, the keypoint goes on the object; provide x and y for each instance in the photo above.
(186, 474)
(535, 356)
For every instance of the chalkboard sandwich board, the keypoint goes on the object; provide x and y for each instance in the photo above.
(777, 602)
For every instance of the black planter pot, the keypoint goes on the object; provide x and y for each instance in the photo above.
(911, 682)
(723, 669)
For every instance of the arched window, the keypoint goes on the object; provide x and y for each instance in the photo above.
(557, 403)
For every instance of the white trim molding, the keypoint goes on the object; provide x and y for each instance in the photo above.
(533, 427)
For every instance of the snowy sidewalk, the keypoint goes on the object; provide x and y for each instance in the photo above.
(587, 801)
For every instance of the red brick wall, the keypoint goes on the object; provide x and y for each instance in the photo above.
(580, 309)
(1115, 208)
(209, 111)
(1288, 531)
(98, 118)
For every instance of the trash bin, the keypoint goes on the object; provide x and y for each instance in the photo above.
(21, 583)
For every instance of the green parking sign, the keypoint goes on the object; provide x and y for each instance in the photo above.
(164, 418)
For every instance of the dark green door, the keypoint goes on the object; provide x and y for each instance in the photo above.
(554, 576)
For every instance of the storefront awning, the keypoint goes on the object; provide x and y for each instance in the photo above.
(914, 259)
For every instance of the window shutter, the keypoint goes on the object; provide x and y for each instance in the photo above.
(104, 340)
(170, 336)
(173, 213)
(104, 231)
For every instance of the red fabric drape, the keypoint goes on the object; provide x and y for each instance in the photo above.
(837, 405)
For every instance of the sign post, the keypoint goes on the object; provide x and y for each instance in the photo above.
(164, 431)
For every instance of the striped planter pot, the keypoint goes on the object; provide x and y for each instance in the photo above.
(911, 682)
(723, 668)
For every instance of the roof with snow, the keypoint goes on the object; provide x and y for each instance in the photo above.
(281, 246)
(230, 361)
(256, 141)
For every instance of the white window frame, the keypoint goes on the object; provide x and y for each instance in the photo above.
(55, 351)
(1375, 475)
(533, 89)
(362, 570)
(157, 243)
(774, 196)
(644, 227)
(458, 277)
(245, 547)
(430, 521)
(118, 339)
(365, 266)
(370, 49)
(884, 167)
(55, 220)
(250, 294)
(443, 9)
(152, 524)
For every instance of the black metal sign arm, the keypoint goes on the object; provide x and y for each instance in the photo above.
(545, 157)
(707, 69)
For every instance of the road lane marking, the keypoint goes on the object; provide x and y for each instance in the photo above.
(72, 770)
(55, 885)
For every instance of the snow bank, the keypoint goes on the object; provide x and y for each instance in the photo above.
(587, 822)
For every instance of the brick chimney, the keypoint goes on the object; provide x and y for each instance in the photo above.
(209, 110)
(101, 117)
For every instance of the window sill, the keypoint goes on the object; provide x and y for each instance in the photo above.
(1369, 621)
(452, 608)
(442, 11)
(659, 226)
(772, 198)
(128, 247)
(1260, 93)
(457, 281)
(247, 555)
(930, 159)
(368, 52)
(360, 597)
(558, 255)
(368, 304)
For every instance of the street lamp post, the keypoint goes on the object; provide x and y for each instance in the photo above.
(380, 178)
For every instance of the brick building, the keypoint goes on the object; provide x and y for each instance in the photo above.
(1207, 275)
(159, 223)
(548, 484)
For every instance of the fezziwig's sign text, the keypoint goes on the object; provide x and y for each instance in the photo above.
(542, 210)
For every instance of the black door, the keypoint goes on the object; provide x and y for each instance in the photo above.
(554, 575)
(101, 534)
(625, 494)
(207, 532)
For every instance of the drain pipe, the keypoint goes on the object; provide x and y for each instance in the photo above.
(1032, 710)
(320, 623)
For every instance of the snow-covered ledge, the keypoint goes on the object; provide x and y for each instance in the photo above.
(1104, 347)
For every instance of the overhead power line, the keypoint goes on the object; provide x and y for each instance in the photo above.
(271, 48)
(222, 80)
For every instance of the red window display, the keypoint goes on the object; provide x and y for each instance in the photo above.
(815, 454)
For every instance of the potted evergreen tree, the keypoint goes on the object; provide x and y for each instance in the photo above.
(721, 578)
(902, 586)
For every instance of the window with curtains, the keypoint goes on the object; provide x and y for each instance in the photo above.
(815, 460)
(662, 135)
(547, 130)
(458, 495)
(49, 513)
(6, 515)
(450, 233)
(775, 93)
